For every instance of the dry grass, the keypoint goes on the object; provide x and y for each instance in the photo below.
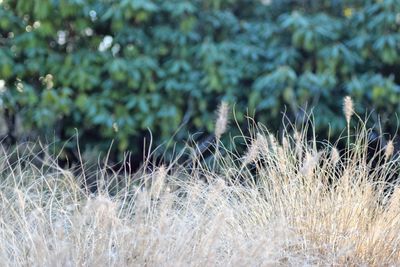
(282, 203)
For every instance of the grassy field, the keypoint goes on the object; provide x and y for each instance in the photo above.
(286, 201)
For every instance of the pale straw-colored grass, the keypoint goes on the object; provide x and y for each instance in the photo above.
(283, 202)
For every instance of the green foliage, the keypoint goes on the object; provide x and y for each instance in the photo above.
(114, 69)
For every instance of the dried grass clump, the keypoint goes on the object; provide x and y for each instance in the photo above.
(302, 207)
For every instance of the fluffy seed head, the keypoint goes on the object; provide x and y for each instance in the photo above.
(158, 182)
(298, 144)
(335, 156)
(309, 163)
(222, 120)
(348, 108)
(254, 149)
(389, 150)
(262, 144)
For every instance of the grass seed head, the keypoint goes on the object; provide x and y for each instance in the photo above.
(348, 108)
(389, 150)
(158, 182)
(310, 163)
(254, 150)
(335, 156)
(222, 120)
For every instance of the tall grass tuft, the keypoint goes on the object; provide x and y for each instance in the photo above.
(178, 216)
(348, 110)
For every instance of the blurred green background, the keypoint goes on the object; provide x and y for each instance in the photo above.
(113, 69)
